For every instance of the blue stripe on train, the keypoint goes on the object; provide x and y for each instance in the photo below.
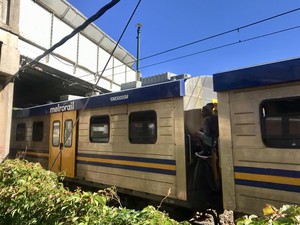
(267, 171)
(128, 167)
(281, 187)
(129, 158)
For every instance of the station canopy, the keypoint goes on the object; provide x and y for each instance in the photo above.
(42, 84)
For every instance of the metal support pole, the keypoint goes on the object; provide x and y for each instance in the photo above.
(138, 25)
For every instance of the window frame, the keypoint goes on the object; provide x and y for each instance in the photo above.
(70, 136)
(23, 137)
(101, 119)
(59, 133)
(37, 137)
(148, 138)
(283, 110)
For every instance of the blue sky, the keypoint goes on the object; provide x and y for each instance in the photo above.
(168, 24)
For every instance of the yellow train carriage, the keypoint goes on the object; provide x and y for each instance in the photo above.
(134, 139)
(30, 137)
(129, 160)
(259, 122)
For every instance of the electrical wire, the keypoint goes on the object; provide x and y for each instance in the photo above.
(111, 4)
(95, 85)
(204, 39)
(64, 39)
(223, 46)
(214, 48)
(117, 44)
(221, 34)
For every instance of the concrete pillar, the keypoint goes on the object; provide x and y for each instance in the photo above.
(9, 66)
(6, 97)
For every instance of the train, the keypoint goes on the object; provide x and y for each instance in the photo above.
(140, 139)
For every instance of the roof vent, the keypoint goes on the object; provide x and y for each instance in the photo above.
(129, 85)
(155, 79)
(181, 76)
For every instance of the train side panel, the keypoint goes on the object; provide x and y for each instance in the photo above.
(254, 174)
(153, 168)
(134, 139)
(30, 139)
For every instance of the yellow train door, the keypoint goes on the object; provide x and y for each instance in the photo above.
(63, 143)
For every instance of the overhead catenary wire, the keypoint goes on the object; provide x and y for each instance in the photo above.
(94, 17)
(222, 33)
(62, 41)
(218, 47)
(223, 46)
(98, 79)
(112, 3)
(203, 51)
(204, 39)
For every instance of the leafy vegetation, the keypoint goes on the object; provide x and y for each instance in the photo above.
(31, 195)
(286, 215)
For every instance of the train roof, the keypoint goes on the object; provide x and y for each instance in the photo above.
(175, 88)
(261, 75)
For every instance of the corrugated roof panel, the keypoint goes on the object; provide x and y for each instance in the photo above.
(74, 18)
(58, 6)
(108, 44)
(77, 20)
(120, 53)
(129, 60)
(70, 15)
(93, 32)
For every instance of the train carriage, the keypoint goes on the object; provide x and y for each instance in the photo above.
(259, 122)
(140, 139)
(28, 137)
(135, 139)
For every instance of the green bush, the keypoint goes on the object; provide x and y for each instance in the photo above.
(286, 215)
(31, 195)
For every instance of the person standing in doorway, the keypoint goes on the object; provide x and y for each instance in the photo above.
(210, 130)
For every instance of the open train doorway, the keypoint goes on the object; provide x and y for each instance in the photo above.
(62, 143)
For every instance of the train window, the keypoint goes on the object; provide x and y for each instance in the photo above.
(99, 129)
(56, 133)
(68, 133)
(21, 132)
(280, 123)
(143, 127)
(38, 131)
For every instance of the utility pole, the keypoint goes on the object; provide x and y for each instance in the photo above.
(138, 25)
